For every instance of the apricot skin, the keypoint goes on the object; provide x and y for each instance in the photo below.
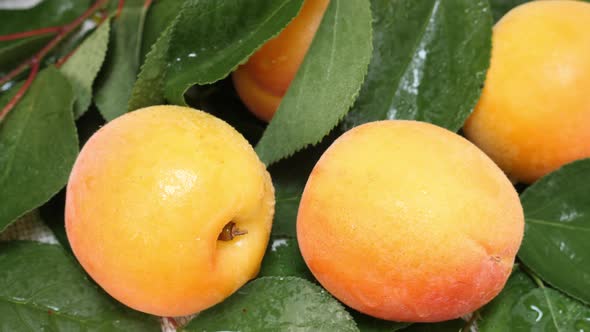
(262, 82)
(534, 113)
(406, 221)
(147, 198)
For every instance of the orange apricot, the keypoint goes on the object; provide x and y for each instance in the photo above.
(534, 113)
(262, 82)
(407, 221)
(169, 210)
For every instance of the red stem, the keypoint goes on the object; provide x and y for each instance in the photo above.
(13, 73)
(34, 62)
(173, 322)
(21, 92)
(31, 33)
(120, 8)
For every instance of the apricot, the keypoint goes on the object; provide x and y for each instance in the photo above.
(262, 82)
(407, 221)
(169, 210)
(534, 113)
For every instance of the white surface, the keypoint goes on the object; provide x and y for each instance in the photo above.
(18, 4)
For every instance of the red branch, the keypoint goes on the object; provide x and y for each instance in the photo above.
(33, 63)
(21, 92)
(120, 8)
(31, 33)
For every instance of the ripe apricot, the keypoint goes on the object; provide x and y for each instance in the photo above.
(262, 82)
(534, 113)
(406, 221)
(169, 210)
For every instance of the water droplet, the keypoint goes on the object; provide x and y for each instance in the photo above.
(277, 244)
(582, 325)
(538, 311)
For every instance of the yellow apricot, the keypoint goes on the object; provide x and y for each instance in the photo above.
(534, 112)
(262, 82)
(407, 221)
(150, 205)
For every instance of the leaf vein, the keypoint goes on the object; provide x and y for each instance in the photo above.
(419, 38)
(557, 225)
(34, 306)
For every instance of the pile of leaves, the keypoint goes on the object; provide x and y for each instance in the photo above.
(67, 66)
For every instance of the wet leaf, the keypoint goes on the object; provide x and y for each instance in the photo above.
(429, 62)
(548, 310)
(326, 84)
(497, 315)
(276, 304)
(557, 228)
(43, 288)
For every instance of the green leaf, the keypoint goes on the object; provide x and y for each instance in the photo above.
(159, 16)
(212, 37)
(118, 75)
(548, 310)
(276, 304)
(83, 66)
(501, 7)
(429, 62)
(43, 288)
(148, 90)
(497, 315)
(557, 228)
(283, 259)
(326, 84)
(448, 326)
(46, 14)
(367, 323)
(38, 145)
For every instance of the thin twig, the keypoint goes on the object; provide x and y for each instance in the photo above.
(15, 72)
(120, 8)
(35, 61)
(21, 92)
(31, 33)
